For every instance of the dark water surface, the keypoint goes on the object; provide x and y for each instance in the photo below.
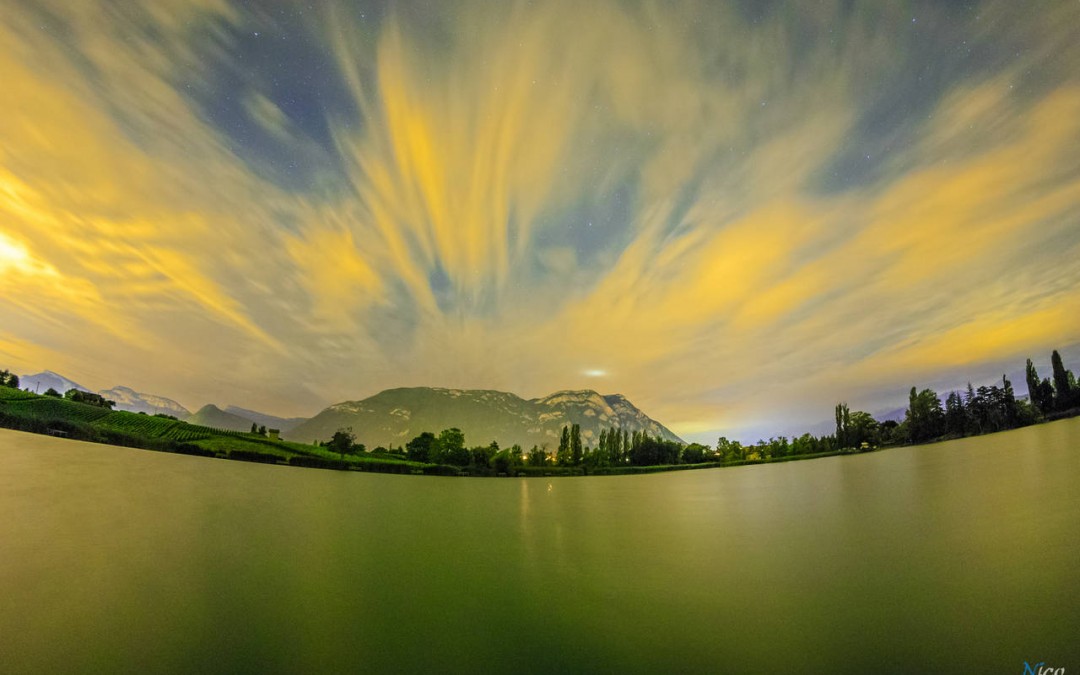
(959, 557)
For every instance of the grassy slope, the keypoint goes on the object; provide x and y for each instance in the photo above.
(92, 423)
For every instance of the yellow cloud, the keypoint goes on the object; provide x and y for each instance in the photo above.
(338, 280)
(990, 337)
(725, 282)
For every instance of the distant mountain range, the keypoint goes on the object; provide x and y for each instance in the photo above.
(128, 399)
(241, 419)
(396, 416)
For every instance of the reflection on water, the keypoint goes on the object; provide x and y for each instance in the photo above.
(961, 555)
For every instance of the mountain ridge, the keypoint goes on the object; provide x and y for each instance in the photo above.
(395, 416)
(48, 379)
(214, 417)
(130, 400)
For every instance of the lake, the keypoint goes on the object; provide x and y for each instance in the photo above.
(961, 557)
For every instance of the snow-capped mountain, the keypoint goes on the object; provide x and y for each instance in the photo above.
(612, 410)
(133, 401)
(43, 381)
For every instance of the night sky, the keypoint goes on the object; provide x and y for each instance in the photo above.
(735, 213)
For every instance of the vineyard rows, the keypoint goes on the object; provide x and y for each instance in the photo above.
(48, 407)
(184, 433)
(12, 394)
(31, 405)
(137, 425)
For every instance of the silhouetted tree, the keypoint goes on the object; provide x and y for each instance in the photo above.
(924, 415)
(695, 453)
(806, 445)
(730, 451)
(956, 421)
(1011, 410)
(481, 457)
(419, 449)
(450, 448)
(1041, 392)
(861, 428)
(1063, 396)
(53, 393)
(562, 455)
(600, 456)
(575, 445)
(615, 445)
(537, 456)
(843, 422)
(342, 442)
(254, 428)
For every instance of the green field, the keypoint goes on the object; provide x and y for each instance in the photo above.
(45, 407)
(44, 414)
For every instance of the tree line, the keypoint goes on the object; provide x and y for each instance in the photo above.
(972, 411)
(968, 412)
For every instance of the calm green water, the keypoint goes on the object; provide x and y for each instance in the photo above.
(958, 557)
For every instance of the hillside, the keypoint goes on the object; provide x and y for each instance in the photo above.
(214, 417)
(395, 416)
(26, 411)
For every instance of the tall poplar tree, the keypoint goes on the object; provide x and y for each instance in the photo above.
(562, 455)
(1062, 391)
(575, 445)
(1037, 389)
(843, 425)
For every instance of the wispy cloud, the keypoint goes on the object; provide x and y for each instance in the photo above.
(737, 214)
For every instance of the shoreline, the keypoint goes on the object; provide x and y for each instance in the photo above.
(404, 467)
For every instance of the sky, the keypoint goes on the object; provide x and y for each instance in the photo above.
(737, 214)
